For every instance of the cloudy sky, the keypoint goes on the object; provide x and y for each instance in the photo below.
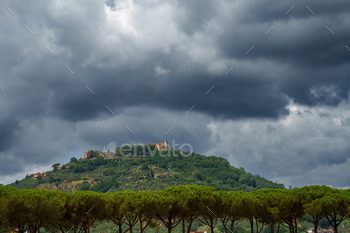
(263, 83)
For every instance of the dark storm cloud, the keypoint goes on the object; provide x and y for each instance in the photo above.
(150, 62)
(136, 83)
(231, 98)
(299, 39)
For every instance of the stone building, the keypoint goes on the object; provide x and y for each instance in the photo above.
(161, 146)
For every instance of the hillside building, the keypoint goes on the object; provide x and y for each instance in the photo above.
(87, 154)
(161, 146)
(42, 175)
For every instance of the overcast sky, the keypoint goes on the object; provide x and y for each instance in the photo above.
(263, 83)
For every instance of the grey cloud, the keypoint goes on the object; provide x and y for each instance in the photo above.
(293, 149)
(195, 15)
(114, 49)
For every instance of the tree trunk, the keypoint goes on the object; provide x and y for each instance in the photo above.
(169, 225)
(141, 228)
(212, 229)
(296, 224)
(316, 227)
(225, 228)
(335, 228)
(257, 226)
(190, 225)
(211, 225)
(232, 223)
(251, 225)
(224, 223)
(183, 226)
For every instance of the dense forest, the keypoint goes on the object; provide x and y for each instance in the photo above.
(140, 168)
(177, 207)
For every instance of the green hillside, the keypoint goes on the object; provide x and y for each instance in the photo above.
(145, 168)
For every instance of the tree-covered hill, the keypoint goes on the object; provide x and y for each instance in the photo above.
(144, 168)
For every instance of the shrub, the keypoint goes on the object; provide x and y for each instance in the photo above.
(144, 167)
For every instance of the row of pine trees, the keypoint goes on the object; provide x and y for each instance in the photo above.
(177, 206)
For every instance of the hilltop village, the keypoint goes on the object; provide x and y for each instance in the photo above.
(126, 150)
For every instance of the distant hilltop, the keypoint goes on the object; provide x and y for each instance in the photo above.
(152, 166)
(93, 154)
